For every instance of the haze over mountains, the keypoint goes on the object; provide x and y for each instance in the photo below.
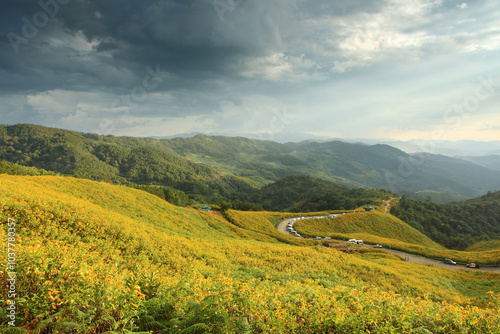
(444, 147)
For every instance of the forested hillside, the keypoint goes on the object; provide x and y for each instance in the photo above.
(119, 160)
(219, 168)
(454, 225)
(307, 194)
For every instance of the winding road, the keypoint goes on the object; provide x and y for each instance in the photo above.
(410, 257)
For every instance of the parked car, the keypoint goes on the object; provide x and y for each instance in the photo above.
(328, 238)
(317, 238)
(449, 261)
(472, 265)
(352, 241)
(378, 246)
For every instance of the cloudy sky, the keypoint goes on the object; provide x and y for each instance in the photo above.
(399, 69)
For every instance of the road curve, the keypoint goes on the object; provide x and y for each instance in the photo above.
(409, 257)
(282, 225)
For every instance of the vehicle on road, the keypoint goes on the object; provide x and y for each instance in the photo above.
(449, 261)
(352, 241)
(378, 246)
(472, 265)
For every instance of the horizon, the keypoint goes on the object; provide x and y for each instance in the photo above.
(391, 70)
(438, 146)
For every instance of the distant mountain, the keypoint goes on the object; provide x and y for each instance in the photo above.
(488, 161)
(234, 167)
(280, 137)
(449, 148)
(353, 165)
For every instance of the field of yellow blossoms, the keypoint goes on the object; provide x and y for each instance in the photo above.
(378, 227)
(98, 258)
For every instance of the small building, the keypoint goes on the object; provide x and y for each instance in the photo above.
(369, 208)
(205, 208)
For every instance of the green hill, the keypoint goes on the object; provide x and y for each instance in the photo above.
(374, 223)
(307, 194)
(94, 258)
(233, 167)
(455, 225)
(115, 159)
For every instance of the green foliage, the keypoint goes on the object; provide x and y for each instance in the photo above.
(454, 225)
(119, 160)
(434, 196)
(169, 194)
(16, 169)
(307, 194)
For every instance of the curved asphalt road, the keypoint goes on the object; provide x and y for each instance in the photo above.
(410, 257)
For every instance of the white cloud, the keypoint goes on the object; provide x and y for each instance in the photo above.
(280, 67)
(463, 5)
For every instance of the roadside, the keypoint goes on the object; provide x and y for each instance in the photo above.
(409, 257)
(423, 260)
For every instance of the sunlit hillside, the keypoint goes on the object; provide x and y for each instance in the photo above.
(375, 223)
(94, 257)
(378, 227)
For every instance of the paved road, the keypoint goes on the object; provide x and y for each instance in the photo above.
(410, 257)
(423, 260)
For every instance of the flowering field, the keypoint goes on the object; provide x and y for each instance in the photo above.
(378, 227)
(95, 258)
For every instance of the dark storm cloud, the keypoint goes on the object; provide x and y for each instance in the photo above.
(228, 62)
(125, 36)
(195, 41)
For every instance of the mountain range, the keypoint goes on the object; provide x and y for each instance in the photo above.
(234, 167)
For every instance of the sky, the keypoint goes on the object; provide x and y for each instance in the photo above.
(394, 69)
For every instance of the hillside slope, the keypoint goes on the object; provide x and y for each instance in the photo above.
(457, 225)
(307, 194)
(115, 159)
(375, 223)
(488, 161)
(94, 257)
